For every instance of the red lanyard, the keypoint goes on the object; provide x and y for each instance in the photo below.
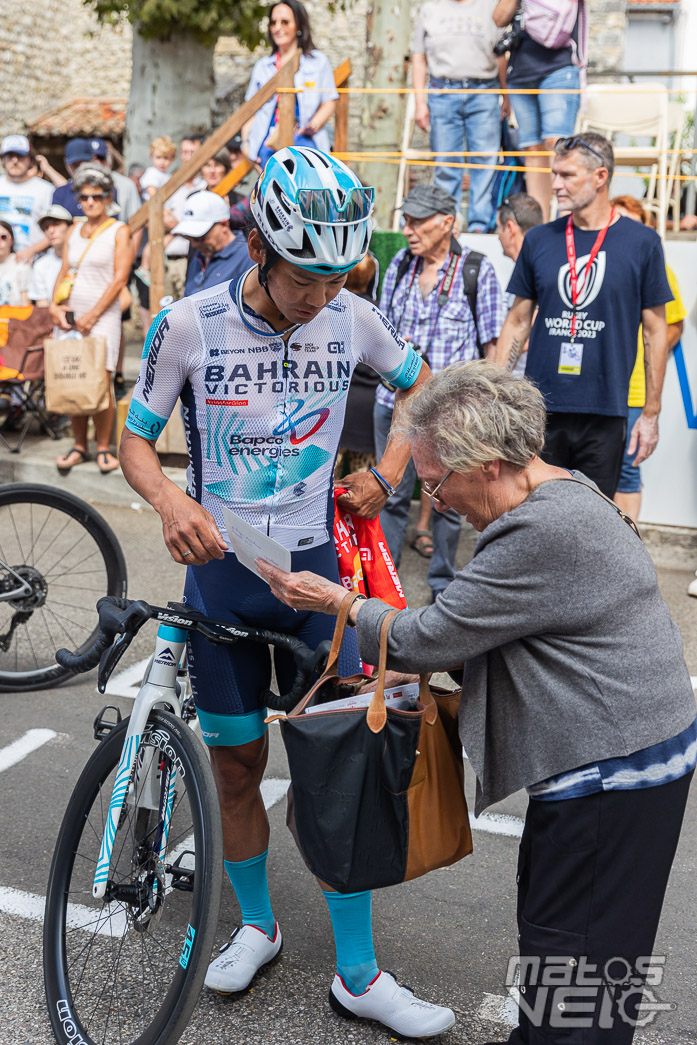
(571, 255)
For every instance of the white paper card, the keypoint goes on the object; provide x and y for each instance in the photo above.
(402, 697)
(249, 544)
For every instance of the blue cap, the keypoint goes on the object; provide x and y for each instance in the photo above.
(99, 148)
(77, 150)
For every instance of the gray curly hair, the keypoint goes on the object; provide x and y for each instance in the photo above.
(473, 413)
(97, 177)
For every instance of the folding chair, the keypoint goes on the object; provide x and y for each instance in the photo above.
(22, 333)
(638, 111)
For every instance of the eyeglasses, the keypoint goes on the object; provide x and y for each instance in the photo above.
(573, 142)
(14, 156)
(94, 196)
(432, 491)
(321, 206)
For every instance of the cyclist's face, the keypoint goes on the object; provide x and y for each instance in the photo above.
(301, 295)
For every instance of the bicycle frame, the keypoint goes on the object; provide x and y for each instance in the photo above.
(159, 689)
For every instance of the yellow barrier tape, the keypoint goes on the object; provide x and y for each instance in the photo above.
(372, 158)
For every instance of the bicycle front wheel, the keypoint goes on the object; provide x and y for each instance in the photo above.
(59, 556)
(127, 969)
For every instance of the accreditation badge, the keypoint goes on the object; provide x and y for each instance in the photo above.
(570, 356)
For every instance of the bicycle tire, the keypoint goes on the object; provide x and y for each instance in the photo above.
(106, 980)
(71, 557)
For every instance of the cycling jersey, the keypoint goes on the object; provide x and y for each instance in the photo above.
(262, 417)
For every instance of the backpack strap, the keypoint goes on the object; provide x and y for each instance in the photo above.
(470, 278)
(402, 269)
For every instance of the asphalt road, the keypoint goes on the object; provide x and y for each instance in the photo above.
(449, 936)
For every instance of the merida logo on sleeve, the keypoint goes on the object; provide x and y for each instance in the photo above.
(153, 353)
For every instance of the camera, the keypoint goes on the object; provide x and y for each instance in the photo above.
(511, 38)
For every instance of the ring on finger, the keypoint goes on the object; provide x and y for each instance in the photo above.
(184, 554)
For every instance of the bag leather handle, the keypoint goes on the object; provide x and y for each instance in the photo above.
(338, 636)
(377, 712)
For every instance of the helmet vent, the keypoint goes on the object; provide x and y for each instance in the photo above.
(289, 164)
(321, 158)
(305, 250)
(273, 222)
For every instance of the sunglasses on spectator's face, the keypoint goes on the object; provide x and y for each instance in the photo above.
(93, 196)
(14, 156)
(573, 143)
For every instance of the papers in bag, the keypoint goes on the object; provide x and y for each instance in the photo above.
(403, 698)
(249, 544)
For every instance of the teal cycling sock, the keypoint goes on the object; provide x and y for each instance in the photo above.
(353, 935)
(248, 878)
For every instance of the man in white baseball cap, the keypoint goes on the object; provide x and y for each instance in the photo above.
(23, 196)
(219, 254)
(55, 224)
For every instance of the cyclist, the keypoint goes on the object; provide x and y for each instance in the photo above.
(263, 366)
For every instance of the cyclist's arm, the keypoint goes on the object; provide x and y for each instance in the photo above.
(170, 351)
(389, 355)
(186, 525)
(365, 496)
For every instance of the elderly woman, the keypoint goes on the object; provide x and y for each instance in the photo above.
(98, 254)
(565, 693)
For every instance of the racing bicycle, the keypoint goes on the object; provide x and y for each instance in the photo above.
(57, 557)
(134, 888)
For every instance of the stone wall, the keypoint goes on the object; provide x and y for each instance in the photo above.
(54, 51)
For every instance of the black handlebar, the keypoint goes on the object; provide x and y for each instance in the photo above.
(121, 619)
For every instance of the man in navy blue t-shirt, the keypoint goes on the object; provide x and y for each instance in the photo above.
(595, 277)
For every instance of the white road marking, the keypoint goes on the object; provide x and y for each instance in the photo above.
(498, 824)
(19, 749)
(497, 1009)
(127, 683)
(30, 905)
(273, 790)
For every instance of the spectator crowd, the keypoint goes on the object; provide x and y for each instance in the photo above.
(442, 297)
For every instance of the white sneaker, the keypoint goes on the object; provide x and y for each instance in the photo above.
(385, 1001)
(692, 587)
(240, 960)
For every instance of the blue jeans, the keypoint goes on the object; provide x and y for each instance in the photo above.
(476, 120)
(394, 516)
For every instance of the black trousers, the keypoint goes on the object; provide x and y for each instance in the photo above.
(592, 443)
(592, 875)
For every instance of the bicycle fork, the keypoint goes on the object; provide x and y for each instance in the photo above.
(159, 688)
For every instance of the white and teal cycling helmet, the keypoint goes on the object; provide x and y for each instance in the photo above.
(313, 210)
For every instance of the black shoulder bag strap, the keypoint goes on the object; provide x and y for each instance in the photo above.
(623, 515)
(470, 279)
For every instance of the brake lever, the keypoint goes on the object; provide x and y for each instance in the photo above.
(110, 658)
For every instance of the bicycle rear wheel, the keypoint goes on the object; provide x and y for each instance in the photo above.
(69, 557)
(127, 970)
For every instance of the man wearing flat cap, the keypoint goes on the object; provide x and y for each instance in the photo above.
(446, 301)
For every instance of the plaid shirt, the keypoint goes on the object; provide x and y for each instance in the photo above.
(448, 336)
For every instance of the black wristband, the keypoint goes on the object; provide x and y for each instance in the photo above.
(348, 619)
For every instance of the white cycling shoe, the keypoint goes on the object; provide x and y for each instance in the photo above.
(394, 1006)
(241, 959)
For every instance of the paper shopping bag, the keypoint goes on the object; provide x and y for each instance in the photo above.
(77, 382)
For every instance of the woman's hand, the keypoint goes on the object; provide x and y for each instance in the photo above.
(85, 322)
(58, 315)
(303, 591)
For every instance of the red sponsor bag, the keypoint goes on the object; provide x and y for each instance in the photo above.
(365, 563)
